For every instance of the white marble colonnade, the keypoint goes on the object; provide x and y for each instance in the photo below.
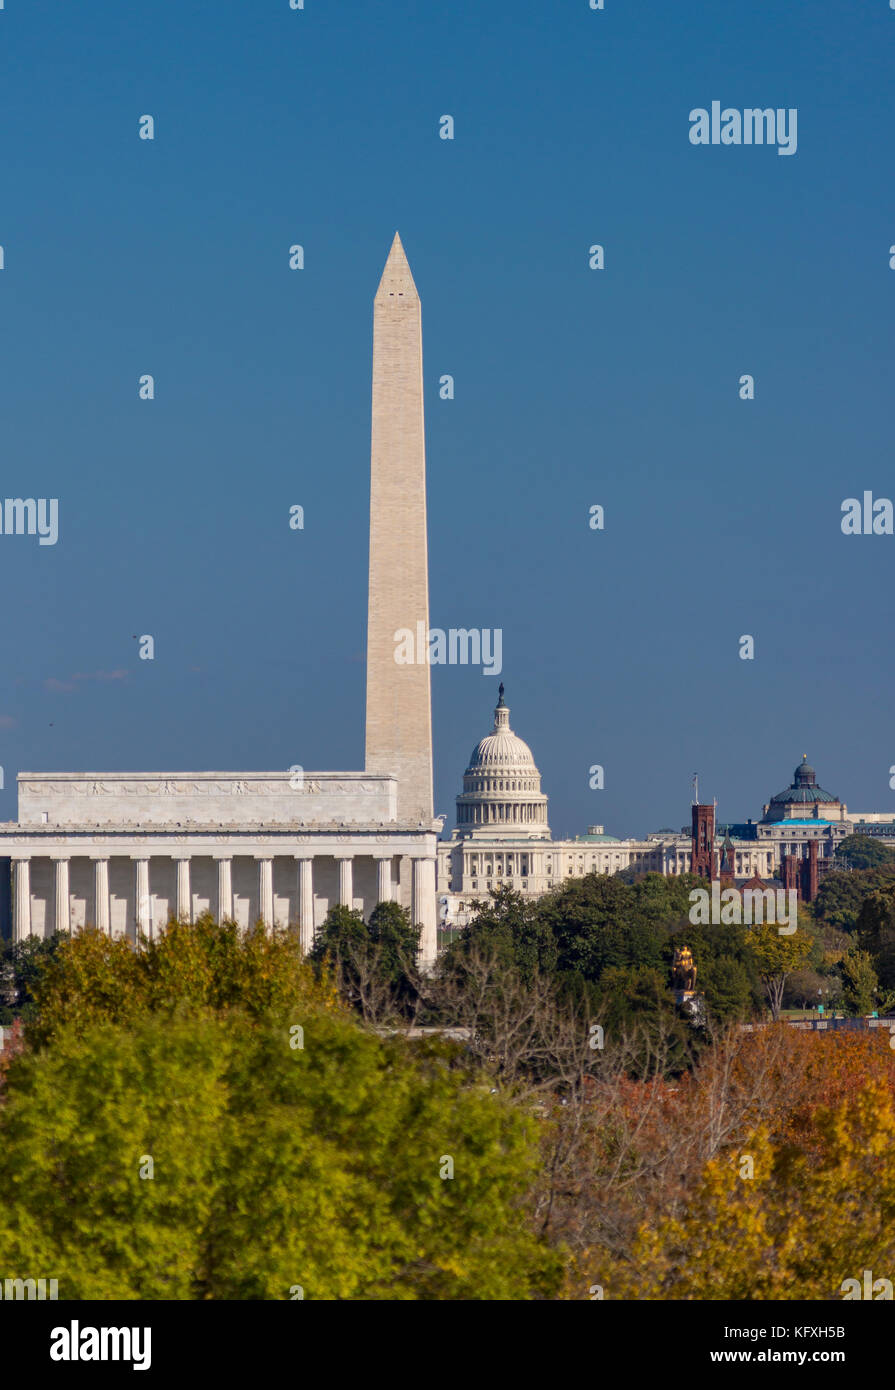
(54, 905)
(125, 851)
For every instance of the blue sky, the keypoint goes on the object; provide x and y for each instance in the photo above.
(573, 387)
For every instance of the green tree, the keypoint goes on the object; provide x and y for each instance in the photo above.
(342, 933)
(374, 964)
(776, 957)
(88, 1111)
(510, 928)
(21, 964)
(202, 1156)
(638, 1008)
(665, 900)
(841, 896)
(876, 933)
(398, 940)
(728, 989)
(864, 852)
(598, 922)
(860, 983)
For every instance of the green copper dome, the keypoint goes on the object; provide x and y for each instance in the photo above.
(804, 791)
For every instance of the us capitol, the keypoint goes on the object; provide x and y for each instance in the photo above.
(502, 834)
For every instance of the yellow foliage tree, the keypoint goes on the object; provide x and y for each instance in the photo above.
(780, 1221)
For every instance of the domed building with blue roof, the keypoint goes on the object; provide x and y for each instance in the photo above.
(804, 800)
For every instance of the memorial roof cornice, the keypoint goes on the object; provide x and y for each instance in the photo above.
(11, 829)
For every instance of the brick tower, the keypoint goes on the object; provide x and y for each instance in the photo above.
(702, 851)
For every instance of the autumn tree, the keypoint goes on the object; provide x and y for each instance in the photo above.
(206, 965)
(772, 1221)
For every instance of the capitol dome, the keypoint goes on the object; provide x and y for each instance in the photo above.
(502, 786)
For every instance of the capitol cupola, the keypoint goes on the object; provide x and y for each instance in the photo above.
(501, 794)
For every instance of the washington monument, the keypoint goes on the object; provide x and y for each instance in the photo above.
(399, 717)
(128, 851)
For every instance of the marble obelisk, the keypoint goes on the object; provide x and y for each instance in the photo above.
(399, 717)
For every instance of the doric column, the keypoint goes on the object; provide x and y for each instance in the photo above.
(225, 888)
(306, 903)
(23, 898)
(184, 895)
(101, 895)
(424, 911)
(384, 880)
(144, 901)
(265, 889)
(62, 920)
(346, 882)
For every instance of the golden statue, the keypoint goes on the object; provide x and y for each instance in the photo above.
(683, 970)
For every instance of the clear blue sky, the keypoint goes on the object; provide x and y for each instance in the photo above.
(573, 386)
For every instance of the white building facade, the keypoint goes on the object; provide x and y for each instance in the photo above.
(126, 851)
